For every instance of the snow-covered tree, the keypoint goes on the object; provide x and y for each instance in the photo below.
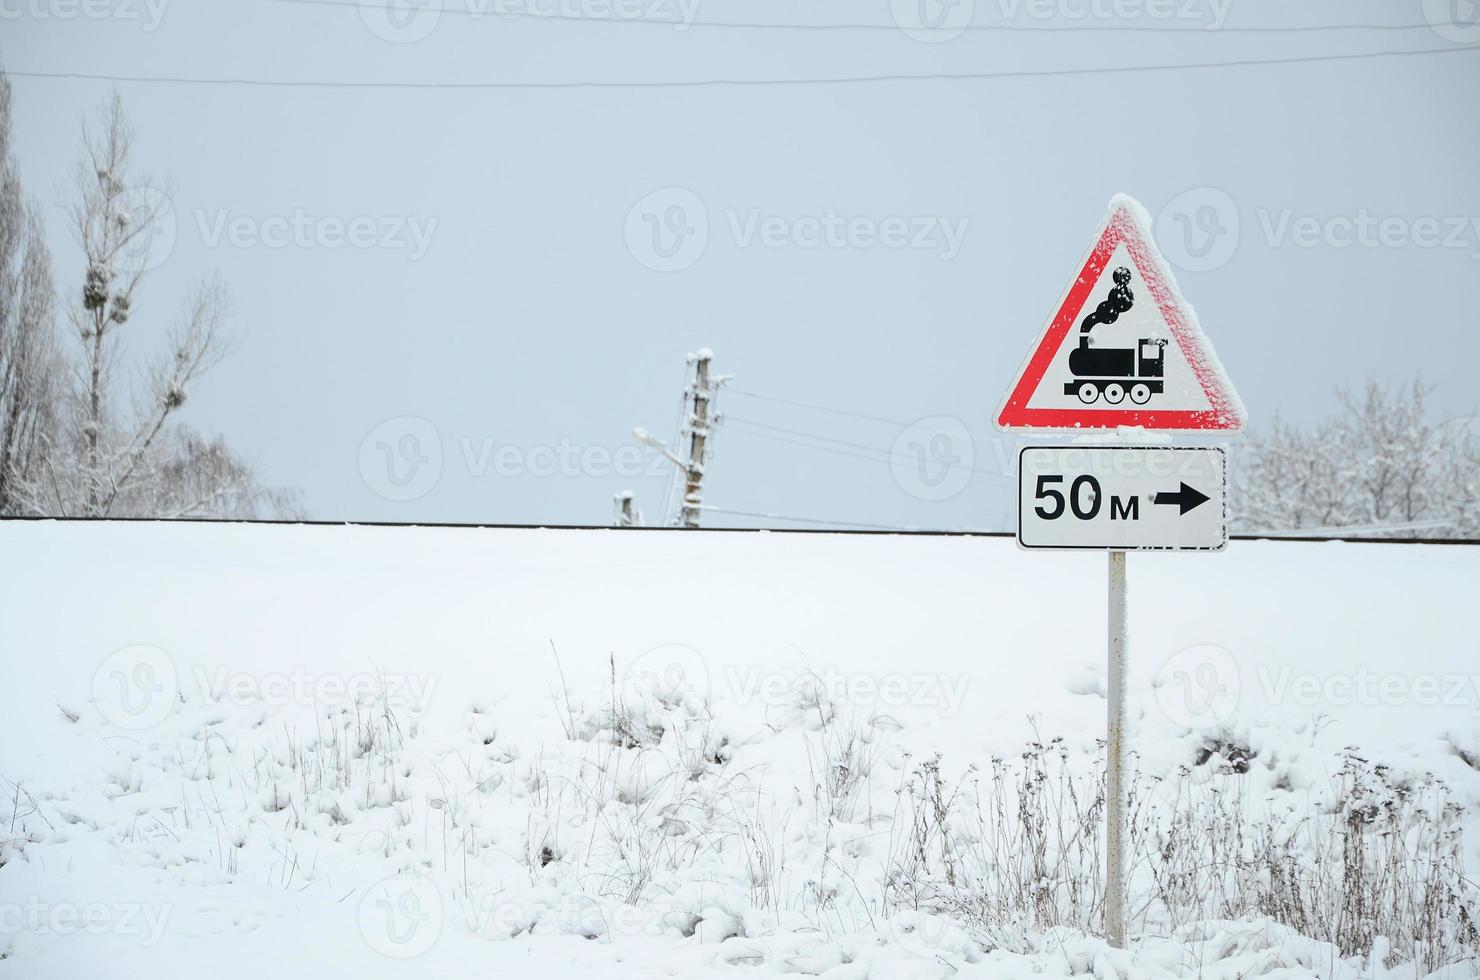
(1381, 468)
(203, 477)
(30, 365)
(80, 433)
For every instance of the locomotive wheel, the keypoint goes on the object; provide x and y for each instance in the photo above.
(1140, 393)
(1088, 393)
(1114, 393)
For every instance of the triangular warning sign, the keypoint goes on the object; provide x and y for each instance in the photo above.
(1123, 347)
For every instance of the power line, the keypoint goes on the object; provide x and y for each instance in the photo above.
(1420, 525)
(727, 82)
(836, 411)
(731, 419)
(888, 455)
(807, 520)
(828, 449)
(568, 17)
(820, 408)
(810, 445)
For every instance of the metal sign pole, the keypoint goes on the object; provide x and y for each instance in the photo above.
(1115, 728)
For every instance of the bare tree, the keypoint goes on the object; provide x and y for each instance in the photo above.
(29, 355)
(125, 460)
(1379, 468)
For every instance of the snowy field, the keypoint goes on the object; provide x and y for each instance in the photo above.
(237, 751)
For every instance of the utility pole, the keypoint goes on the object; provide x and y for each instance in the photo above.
(626, 513)
(698, 416)
(699, 393)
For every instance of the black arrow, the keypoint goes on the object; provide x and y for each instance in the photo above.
(1186, 498)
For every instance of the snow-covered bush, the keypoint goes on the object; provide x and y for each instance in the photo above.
(1381, 468)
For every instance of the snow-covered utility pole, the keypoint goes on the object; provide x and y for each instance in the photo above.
(626, 512)
(700, 390)
(698, 416)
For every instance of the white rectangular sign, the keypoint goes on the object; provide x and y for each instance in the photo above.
(1123, 498)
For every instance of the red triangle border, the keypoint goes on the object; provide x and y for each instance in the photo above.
(1224, 414)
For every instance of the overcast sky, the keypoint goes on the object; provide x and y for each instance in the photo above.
(441, 272)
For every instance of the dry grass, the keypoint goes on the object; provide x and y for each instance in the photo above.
(643, 790)
(1020, 852)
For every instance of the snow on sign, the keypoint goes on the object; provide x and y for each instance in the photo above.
(1122, 498)
(1123, 348)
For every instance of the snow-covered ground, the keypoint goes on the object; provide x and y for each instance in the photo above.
(359, 751)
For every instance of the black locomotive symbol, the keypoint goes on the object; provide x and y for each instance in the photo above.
(1115, 372)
